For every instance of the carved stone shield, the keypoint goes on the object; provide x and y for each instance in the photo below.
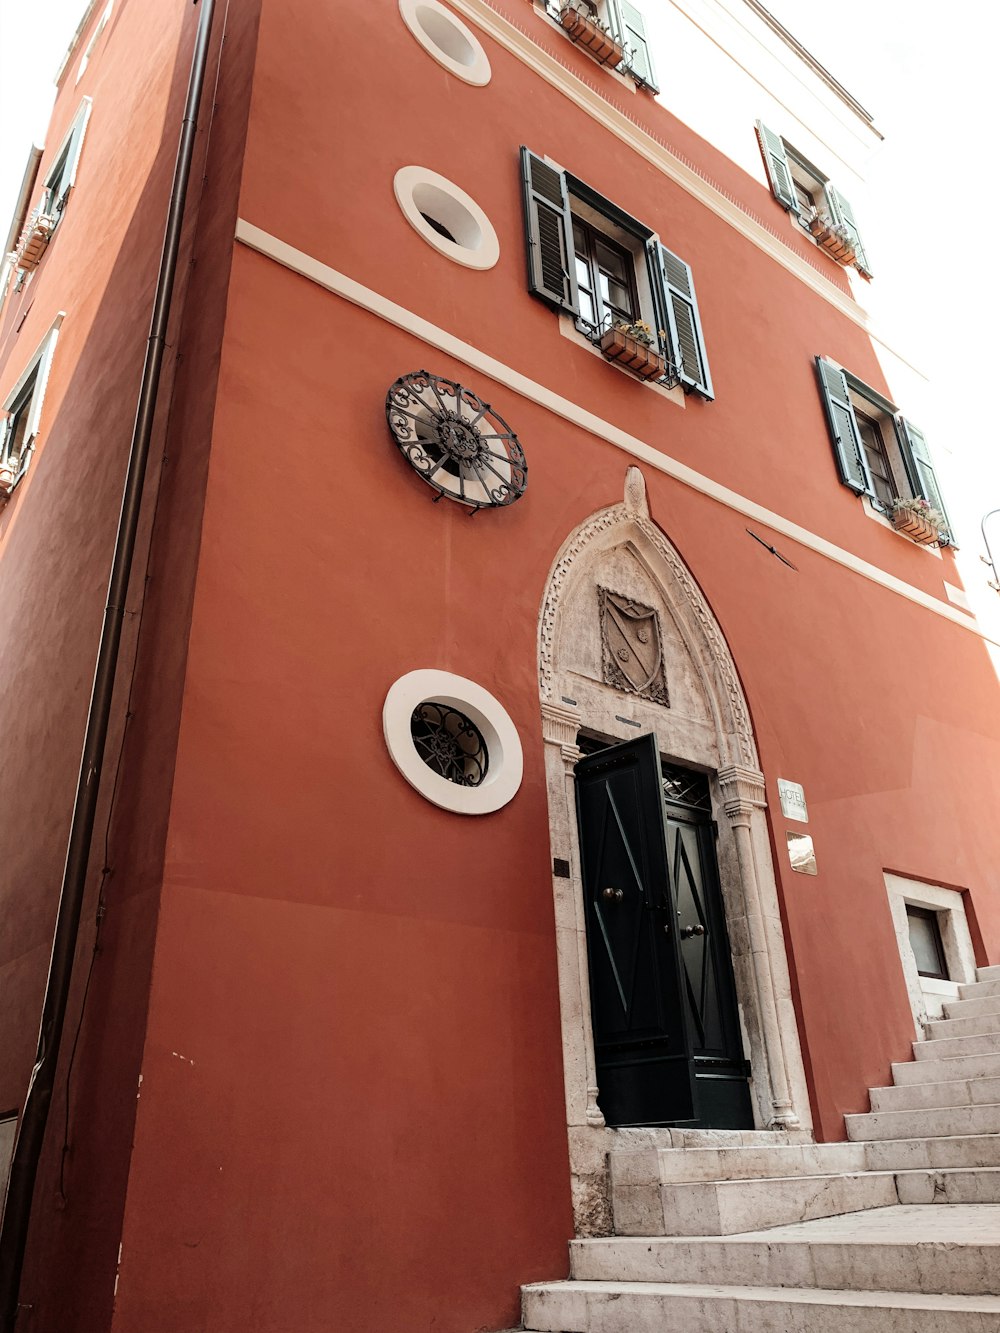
(632, 647)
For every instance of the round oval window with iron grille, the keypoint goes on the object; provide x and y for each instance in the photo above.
(450, 743)
(460, 445)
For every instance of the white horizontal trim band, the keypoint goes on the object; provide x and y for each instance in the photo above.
(355, 292)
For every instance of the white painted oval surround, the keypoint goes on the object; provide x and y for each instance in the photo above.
(506, 761)
(419, 190)
(447, 40)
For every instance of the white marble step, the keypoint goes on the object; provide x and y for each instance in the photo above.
(978, 1185)
(724, 1207)
(969, 1008)
(976, 1025)
(947, 1048)
(950, 1251)
(991, 973)
(660, 1307)
(921, 1096)
(947, 1120)
(974, 990)
(941, 1071)
(647, 1166)
(950, 1152)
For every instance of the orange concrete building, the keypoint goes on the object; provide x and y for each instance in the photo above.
(544, 721)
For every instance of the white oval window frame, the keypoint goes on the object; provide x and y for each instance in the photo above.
(408, 180)
(478, 71)
(503, 745)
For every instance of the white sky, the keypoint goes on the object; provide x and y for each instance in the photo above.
(927, 72)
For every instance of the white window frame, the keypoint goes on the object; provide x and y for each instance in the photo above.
(98, 33)
(69, 150)
(928, 995)
(39, 367)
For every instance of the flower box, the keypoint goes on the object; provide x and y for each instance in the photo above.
(641, 358)
(915, 526)
(588, 33)
(34, 239)
(833, 240)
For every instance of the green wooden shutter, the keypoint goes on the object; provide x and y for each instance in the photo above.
(844, 433)
(632, 27)
(916, 456)
(548, 231)
(779, 173)
(841, 211)
(678, 302)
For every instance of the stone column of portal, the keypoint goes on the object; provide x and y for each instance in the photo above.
(743, 795)
(559, 728)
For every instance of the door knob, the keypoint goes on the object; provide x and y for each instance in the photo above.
(688, 931)
(612, 895)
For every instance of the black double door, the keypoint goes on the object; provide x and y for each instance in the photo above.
(663, 1002)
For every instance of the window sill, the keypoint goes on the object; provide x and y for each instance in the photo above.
(886, 522)
(625, 80)
(568, 329)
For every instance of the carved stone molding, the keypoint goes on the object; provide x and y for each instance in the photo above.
(559, 724)
(742, 790)
(631, 516)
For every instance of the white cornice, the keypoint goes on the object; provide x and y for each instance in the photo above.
(349, 289)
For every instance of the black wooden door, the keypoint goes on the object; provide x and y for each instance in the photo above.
(719, 1066)
(645, 1069)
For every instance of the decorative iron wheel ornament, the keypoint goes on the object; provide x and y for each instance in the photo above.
(450, 743)
(456, 442)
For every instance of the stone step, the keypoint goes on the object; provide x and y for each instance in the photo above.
(648, 1166)
(976, 1025)
(661, 1307)
(941, 1071)
(950, 1251)
(947, 1048)
(947, 1120)
(978, 1185)
(724, 1207)
(921, 1096)
(950, 1152)
(973, 990)
(991, 973)
(968, 1008)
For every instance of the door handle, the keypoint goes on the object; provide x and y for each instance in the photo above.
(612, 895)
(688, 931)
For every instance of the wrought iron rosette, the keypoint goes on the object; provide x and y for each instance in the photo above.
(460, 445)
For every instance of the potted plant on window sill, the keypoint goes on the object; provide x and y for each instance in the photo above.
(631, 345)
(34, 239)
(592, 35)
(918, 520)
(8, 475)
(834, 237)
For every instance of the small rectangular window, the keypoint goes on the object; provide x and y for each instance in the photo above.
(926, 943)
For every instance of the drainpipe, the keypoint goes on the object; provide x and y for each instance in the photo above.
(31, 1128)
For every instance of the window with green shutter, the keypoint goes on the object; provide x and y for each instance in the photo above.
(879, 453)
(613, 32)
(590, 259)
(808, 194)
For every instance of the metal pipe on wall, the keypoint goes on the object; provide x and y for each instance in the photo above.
(34, 1116)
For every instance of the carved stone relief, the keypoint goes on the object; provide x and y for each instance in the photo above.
(632, 647)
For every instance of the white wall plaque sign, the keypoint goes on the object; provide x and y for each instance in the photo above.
(793, 800)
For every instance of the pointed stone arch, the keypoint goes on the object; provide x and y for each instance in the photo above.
(707, 725)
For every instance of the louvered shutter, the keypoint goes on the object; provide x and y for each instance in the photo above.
(841, 211)
(917, 458)
(548, 231)
(680, 305)
(632, 28)
(779, 173)
(844, 433)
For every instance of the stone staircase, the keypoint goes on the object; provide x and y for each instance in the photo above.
(773, 1237)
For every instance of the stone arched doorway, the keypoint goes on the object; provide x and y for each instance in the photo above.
(698, 713)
